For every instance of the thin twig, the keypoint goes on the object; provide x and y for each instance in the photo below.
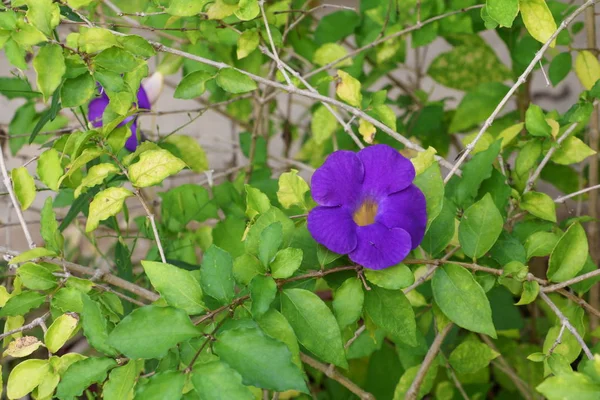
(452, 374)
(334, 374)
(583, 277)
(558, 339)
(565, 321)
(514, 88)
(36, 322)
(562, 199)
(413, 390)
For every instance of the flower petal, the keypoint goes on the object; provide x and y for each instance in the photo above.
(142, 99)
(132, 143)
(96, 109)
(380, 247)
(386, 170)
(406, 209)
(333, 227)
(337, 181)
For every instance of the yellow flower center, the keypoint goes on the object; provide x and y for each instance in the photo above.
(366, 213)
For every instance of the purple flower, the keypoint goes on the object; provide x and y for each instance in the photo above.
(368, 206)
(98, 105)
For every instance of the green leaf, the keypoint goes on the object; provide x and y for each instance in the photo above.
(271, 368)
(216, 380)
(538, 19)
(233, 81)
(480, 227)
(189, 151)
(540, 244)
(270, 240)
(43, 14)
(465, 188)
(528, 157)
(247, 43)
(92, 40)
(185, 8)
(150, 331)
(184, 204)
(292, 190)
(13, 88)
(32, 254)
(49, 168)
(397, 277)
(217, 274)
(467, 66)
(442, 230)
(153, 167)
(535, 122)
(162, 386)
(192, 85)
(462, 300)
(286, 262)
(116, 60)
(539, 204)
(569, 255)
(431, 184)
(531, 289)
(80, 375)
(570, 386)
(24, 186)
(178, 286)
(503, 11)
(408, 378)
(25, 377)
(21, 303)
(274, 324)
(587, 69)
(247, 10)
(48, 79)
(391, 311)
(246, 267)
(477, 105)
(121, 381)
(137, 45)
(94, 326)
(314, 325)
(571, 151)
(348, 302)
(470, 356)
(560, 67)
(256, 202)
(106, 204)
(272, 215)
(36, 277)
(96, 175)
(263, 290)
(330, 52)
(348, 89)
(60, 331)
(323, 124)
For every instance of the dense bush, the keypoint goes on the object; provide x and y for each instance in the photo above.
(446, 246)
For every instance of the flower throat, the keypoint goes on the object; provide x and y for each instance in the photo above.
(366, 213)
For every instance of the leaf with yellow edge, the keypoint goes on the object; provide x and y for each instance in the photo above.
(60, 331)
(424, 159)
(571, 151)
(220, 9)
(153, 167)
(190, 152)
(538, 20)
(587, 69)
(22, 347)
(508, 134)
(96, 176)
(25, 377)
(348, 89)
(555, 126)
(292, 190)
(367, 130)
(106, 204)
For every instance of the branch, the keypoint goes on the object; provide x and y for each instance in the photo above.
(36, 322)
(555, 287)
(562, 199)
(513, 89)
(334, 374)
(565, 321)
(454, 378)
(546, 159)
(413, 391)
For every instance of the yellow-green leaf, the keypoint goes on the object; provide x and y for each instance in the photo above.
(292, 189)
(60, 331)
(49, 168)
(92, 40)
(190, 152)
(323, 124)
(538, 20)
(49, 64)
(348, 89)
(510, 133)
(22, 347)
(25, 377)
(587, 69)
(24, 186)
(247, 43)
(367, 130)
(572, 151)
(44, 15)
(330, 52)
(153, 167)
(96, 176)
(424, 159)
(106, 204)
